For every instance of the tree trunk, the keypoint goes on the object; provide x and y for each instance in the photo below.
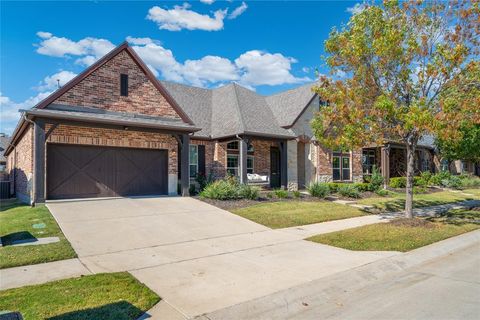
(410, 171)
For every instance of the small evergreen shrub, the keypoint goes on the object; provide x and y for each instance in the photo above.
(192, 190)
(376, 180)
(221, 190)
(319, 190)
(348, 190)
(362, 187)
(453, 182)
(419, 189)
(296, 194)
(424, 179)
(280, 193)
(398, 182)
(382, 192)
(470, 182)
(437, 179)
(269, 195)
(333, 186)
(246, 191)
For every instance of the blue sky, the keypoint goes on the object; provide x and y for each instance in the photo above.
(267, 46)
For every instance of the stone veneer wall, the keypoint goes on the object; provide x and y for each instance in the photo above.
(20, 167)
(120, 138)
(101, 89)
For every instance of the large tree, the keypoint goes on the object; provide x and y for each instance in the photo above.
(406, 67)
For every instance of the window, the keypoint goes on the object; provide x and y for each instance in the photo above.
(124, 85)
(444, 165)
(193, 160)
(341, 166)
(232, 145)
(368, 161)
(232, 164)
(249, 164)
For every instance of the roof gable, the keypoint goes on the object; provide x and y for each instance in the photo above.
(98, 86)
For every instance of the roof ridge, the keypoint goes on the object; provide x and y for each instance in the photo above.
(291, 89)
(242, 125)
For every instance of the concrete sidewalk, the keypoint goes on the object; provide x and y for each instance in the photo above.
(41, 273)
(439, 281)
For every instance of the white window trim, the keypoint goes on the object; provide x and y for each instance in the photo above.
(238, 161)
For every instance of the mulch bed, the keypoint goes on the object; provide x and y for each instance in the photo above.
(415, 222)
(243, 203)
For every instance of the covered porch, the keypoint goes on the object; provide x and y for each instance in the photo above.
(258, 160)
(391, 159)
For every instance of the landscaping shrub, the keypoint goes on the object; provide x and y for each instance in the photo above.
(246, 191)
(382, 192)
(419, 189)
(319, 190)
(398, 182)
(296, 194)
(437, 179)
(362, 187)
(280, 193)
(348, 190)
(269, 195)
(221, 190)
(376, 180)
(424, 179)
(470, 182)
(192, 190)
(333, 186)
(453, 182)
(203, 180)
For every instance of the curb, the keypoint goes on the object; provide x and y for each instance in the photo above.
(289, 302)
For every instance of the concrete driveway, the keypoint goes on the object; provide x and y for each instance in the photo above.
(197, 257)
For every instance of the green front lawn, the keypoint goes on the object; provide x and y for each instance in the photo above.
(296, 213)
(398, 235)
(475, 192)
(396, 201)
(114, 296)
(17, 222)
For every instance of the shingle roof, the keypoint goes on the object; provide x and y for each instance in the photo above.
(288, 105)
(81, 113)
(233, 110)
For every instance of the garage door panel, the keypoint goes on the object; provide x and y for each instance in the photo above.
(87, 171)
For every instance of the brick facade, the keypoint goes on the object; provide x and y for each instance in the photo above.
(20, 167)
(324, 165)
(101, 89)
(116, 138)
(216, 156)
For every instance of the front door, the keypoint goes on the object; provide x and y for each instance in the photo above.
(274, 167)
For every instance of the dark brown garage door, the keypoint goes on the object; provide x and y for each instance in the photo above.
(87, 172)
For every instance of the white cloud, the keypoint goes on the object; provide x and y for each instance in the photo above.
(141, 41)
(263, 68)
(250, 69)
(207, 1)
(209, 69)
(44, 35)
(51, 82)
(306, 69)
(10, 110)
(60, 47)
(238, 11)
(180, 17)
(357, 8)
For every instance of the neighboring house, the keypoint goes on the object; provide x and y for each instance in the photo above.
(4, 142)
(115, 130)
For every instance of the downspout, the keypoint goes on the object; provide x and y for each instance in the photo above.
(32, 200)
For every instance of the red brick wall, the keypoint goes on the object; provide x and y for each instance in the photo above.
(20, 166)
(216, 156)
(116, 138)
(101, 89)
(324, 164)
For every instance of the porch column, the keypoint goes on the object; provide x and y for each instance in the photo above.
(385, 164)
(283, 165)
(39, 162)
(184, 166)
(243, 146)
